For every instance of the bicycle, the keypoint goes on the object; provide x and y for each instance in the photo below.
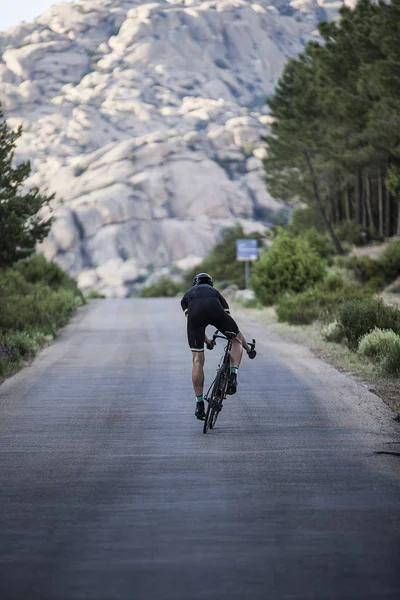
(220, 384)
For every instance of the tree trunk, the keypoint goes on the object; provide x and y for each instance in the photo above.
(347, 204)
(336, 206)
(367, 185)
(380, 204)
(318, 200)
(363, 203)
(358, 197)
(387, 206)
(398, 216)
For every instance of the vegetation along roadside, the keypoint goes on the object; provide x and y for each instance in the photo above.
(36, 296)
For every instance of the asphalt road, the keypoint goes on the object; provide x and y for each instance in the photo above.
(110, 491)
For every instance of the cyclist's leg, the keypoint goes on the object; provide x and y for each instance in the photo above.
(198, 372)
(195, 334)
(236, 351)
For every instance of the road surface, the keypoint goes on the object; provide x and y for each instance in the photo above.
(110, 491)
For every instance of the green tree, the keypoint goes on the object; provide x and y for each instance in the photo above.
(21, 226)
(335, 140)
(291, 265)
(298, 139)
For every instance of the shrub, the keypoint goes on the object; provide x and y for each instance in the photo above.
(38, 269)
(351, 232)
(333, 332)
(391, 363)
(36, 298)
(162, 287)
(363, 267)
(359, 317)
(377, 344)
(304, 219)
(291, 265)
(389, 261)
(375, 285)
(334, 282)
(20, 344)
(320, 243)
(320, 302)
(27, 305)
(41, 309)
(94, 294)
(297, 309)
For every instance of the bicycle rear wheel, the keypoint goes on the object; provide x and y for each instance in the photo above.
(216, 398)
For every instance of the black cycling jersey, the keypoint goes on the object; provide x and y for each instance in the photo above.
(204, 305)
(201, 292)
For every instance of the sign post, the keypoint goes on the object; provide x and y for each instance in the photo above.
(246, 251)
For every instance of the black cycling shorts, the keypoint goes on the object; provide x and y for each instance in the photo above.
(207, 311)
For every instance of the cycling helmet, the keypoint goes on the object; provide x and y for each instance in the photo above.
(203, 278)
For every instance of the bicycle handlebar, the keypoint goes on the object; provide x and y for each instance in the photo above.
(224, 337)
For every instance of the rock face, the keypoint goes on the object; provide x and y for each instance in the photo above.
(146, 120)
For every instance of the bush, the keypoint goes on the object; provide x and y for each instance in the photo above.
(36, 298)
(20, 344)
(365, 270)
(33, 305)
(297, 309)
(289, 266)
(363, 267)
(41, 309)
(354, 234)
(320, 302)
(377, 344)
(333, 332)
(351, 232)
(320, 243)
(304, 219)
(37, 269)
(389, 261)
(94, 294)
(359, 317)
(162, 287)
(391, 363)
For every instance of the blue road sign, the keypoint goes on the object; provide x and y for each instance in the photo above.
(246, 249)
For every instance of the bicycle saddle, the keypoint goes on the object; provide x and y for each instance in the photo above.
(230, 334)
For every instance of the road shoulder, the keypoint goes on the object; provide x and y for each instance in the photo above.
(337, 356)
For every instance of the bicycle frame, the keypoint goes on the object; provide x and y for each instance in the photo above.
(216, 393)
(225, 360)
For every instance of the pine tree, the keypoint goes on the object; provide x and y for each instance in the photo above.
(336, 140)
(298, 140)
(21, 226)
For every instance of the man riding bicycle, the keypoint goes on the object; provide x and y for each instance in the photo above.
(204, 305)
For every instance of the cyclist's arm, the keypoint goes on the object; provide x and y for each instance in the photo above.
(224, 303)
(184, 305)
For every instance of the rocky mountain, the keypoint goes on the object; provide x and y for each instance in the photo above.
(146, 120)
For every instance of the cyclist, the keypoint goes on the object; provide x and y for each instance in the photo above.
(204, 305)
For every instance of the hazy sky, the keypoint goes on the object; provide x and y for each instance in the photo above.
(13, 12)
